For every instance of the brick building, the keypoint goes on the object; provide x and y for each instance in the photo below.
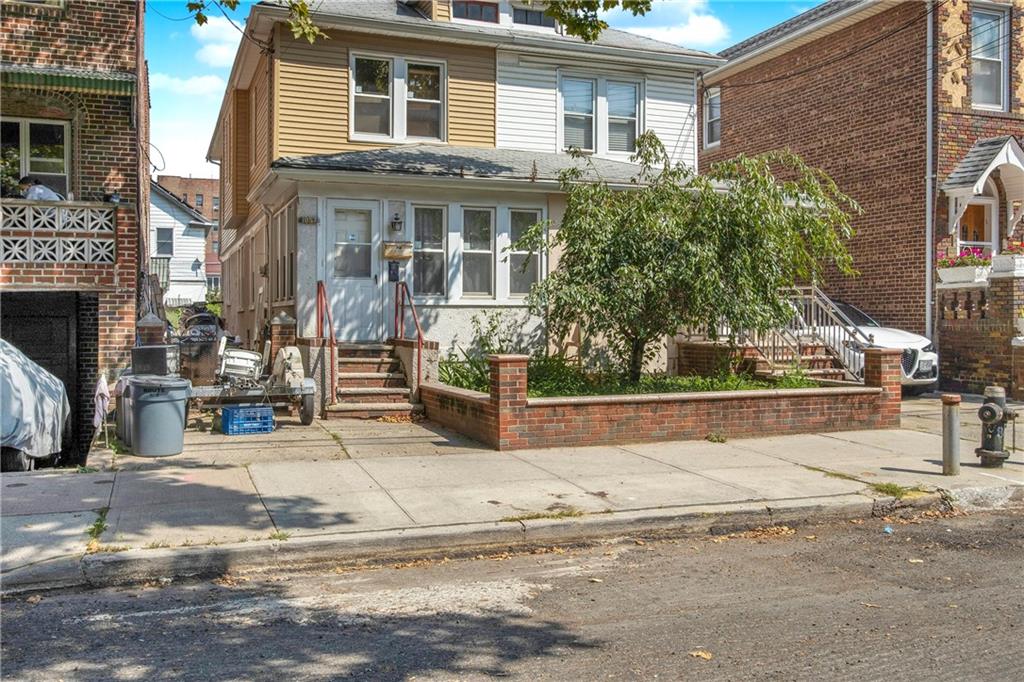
(202, 194)
(898, 102)
(74, 110)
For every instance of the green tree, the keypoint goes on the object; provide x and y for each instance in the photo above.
(679, 250)
(580, 18)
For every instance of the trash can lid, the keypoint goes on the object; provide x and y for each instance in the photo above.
(159, 382)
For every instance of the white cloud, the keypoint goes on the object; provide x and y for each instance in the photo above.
(683, 22)
(180, 146)
(218, 40)
(197, 86)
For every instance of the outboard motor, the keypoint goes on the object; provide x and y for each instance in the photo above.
(994, 415)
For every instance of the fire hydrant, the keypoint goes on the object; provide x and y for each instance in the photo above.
(994, 415)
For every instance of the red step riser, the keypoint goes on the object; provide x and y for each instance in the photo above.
(370, 365)
(344, 382)
(372, 398)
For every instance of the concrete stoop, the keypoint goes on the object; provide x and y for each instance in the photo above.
(371, 384)
(381, 547)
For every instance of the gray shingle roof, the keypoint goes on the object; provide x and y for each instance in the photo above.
(975, 162)
(195, 215)
(440, 160)
(399, 12)
(798, 22)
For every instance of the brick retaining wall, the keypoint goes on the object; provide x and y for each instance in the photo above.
(507, 420)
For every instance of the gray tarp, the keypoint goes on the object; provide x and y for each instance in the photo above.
(33, 405)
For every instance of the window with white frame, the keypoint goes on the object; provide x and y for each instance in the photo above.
(372, 94)
(623, 116)
(524, 267)
(396, 99)
(712, 117)
(39, 148)
(989, 52)
(213, 282)
(578, 106)
(478, 251)
(164, 241)
(979, 224)
(429, 260)
(423, 101)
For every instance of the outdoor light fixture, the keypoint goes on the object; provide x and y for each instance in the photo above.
(196, 265)
(396, 222)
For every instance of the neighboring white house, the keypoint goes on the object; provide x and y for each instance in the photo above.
(177, 234)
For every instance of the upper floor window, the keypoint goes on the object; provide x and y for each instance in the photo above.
(38, 148)
(712, 117)
(216, 203)
(578, 104)
(397, 99)
(989, 57)
(623, 116)
(164, 241)
(199, 200)
(532, 17)
(475, 10)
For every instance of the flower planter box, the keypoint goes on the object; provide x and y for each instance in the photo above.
(1009, 264)
(968, 274)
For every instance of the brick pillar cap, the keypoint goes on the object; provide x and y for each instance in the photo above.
(508, 357)
(151, 320)
(282, 318)
(884, 351)
(950, 399)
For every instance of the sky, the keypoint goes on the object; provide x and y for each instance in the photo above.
(189, 64)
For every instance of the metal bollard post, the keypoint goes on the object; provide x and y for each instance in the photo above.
(950, 434)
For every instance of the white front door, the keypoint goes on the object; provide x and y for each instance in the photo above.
(353, 269)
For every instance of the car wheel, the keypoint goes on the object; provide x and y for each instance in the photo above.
(307, 410)
(12, 459)
(916, 390)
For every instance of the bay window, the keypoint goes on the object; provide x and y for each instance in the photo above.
(36, 147)
(524, 267)
(579, 103)
(478, 251)
(430, 260)
(989, 52)
(623, 101)
(372, 83)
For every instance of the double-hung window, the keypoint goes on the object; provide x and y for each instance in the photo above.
(524, 267)
(372, 83)
(712, 117)
(395, 99)
(623, 103)
(423, 100)
(989, 51)
(164, 241)
(475, 10)
(35, 147)
(578, 104)
(199, 200)
(429, 260)
(478, 251)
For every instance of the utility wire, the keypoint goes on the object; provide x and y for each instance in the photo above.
(152, 6)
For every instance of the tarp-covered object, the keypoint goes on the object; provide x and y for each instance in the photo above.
(33, 405)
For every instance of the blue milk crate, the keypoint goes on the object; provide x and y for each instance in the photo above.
(238, 421)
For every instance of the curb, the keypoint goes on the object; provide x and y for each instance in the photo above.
(138, 566)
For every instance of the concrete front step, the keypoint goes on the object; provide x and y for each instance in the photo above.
(372, 394)
(352, 410)
(365, 350)
(371, 380)
(368, 365)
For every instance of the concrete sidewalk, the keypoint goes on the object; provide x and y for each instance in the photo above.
(154, 513)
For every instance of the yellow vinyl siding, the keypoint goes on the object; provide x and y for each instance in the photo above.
(260, 100)
(312, 92)
(240, 155)
(227, 168)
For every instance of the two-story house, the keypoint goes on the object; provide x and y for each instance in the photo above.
(916, 109)
(178, 236)
(440, 124)
(74, 118)
(203, 196)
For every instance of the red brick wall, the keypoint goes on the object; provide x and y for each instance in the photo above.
(507, 420)
(862, 120)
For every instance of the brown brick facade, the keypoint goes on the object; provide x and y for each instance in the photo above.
(507, 420)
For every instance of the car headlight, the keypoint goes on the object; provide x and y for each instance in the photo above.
(930, 348)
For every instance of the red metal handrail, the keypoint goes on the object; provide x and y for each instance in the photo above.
(323, 313)
(401, 295)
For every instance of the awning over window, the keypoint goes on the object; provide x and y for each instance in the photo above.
(968, 179)
(76, 80)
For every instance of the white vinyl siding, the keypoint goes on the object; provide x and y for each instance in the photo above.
(527, 106)
(189, 245)
(670, 110)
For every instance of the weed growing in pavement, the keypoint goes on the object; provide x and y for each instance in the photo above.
(280, 535)
(558, 514)
(894, 490)
(157, 545)
(715, 437)
(99, 525)
(86, 470)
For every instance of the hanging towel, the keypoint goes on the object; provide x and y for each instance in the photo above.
(101, 398)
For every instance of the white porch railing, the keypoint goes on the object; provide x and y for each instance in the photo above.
(57, 231)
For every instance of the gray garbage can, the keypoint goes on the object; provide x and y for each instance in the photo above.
(157, 405)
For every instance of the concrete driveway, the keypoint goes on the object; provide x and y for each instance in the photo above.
(924, 413)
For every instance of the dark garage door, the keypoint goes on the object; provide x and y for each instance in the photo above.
(44, 326)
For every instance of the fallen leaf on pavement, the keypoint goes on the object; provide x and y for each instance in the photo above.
(702, 654)
(810, 537)
(915, 561)
(596, 580)
(34, 599)
(639, 542)
(869, 605)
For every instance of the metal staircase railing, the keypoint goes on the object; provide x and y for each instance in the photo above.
(819, 320)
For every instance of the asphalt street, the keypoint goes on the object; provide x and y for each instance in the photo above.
(937, 598)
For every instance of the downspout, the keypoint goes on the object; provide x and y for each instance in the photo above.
(929, 193)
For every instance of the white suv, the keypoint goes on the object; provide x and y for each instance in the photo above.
(920, 362)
